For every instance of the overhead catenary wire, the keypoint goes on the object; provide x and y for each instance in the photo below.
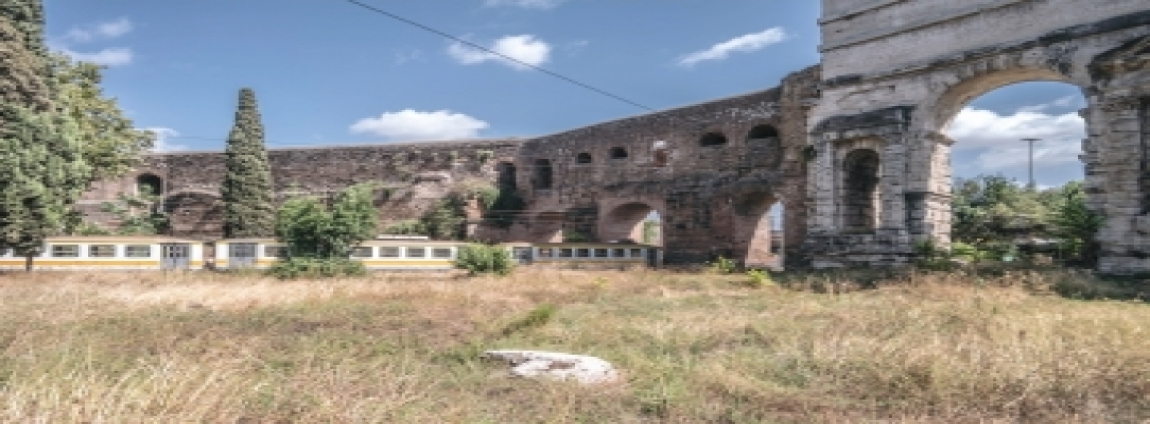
(501, 55)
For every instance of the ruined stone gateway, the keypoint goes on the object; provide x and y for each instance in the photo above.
(853, 148)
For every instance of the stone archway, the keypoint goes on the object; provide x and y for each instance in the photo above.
(903, 102)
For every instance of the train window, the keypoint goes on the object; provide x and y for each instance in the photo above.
(417, 252)
(600, 253)
(441, 253)
(102, 251)
(389, 252)
(583, 253)
(636, 253)
(363, 252)
(275, 252)
(138, 251)
(66, 251)
(619, 253)
(4, 253)
(546, 253)
(566, 253)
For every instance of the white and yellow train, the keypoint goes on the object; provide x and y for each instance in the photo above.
(111, 253)
(117, 253)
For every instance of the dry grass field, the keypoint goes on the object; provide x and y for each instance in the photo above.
(203, 347)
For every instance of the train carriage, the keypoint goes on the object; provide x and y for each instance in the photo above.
(111, 253)
(587, 255)
(385, 254)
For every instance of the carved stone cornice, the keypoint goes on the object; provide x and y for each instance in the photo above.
(940, 138)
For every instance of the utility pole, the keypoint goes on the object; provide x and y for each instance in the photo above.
(1031, 142)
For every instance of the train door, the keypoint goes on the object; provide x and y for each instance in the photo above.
(241, 255)
(522, 255)
(174, 256)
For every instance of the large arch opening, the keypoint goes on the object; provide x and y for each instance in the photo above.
(758, 235)
(1016, 153)
(547, 227)
(634, 222)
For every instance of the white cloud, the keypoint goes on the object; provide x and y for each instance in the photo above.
(102, 30)
(108, 57)
(527, 4)
(524, 48)
(164, 140)
(997, 138)
(411, 125)
(1065, 102)
(745, 43)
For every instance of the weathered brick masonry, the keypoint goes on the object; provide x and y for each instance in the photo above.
(855, 148)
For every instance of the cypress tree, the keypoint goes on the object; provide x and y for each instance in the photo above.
(247, 188)
(40, 149)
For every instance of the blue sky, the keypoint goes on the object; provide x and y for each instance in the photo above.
(330, 72)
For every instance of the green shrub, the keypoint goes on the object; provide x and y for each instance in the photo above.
(316, 268)
(759, 278)
(483, 259)
(536, 318)
(723, 266)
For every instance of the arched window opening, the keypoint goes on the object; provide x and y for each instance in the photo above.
(762, 132)
(660, 157)
(860, 191)
(584, 158)
(618, 153)
(713, 140)
(543, 174)
(507, 175)
(149, 184)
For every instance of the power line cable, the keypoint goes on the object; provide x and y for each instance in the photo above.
(485, 49)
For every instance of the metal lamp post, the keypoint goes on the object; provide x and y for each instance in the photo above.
(1031, 142)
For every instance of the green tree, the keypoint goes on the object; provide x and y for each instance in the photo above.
(995, 210)
(247, 187)
(323, 238)
(138, 215)
(40, 150)
(111, 143)
(1077, 225)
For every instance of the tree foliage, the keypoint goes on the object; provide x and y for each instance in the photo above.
(247, 187)
(993, 213)
(138, 215)
(313, 230)
(111, 143)
(40, 150)
(483, 259)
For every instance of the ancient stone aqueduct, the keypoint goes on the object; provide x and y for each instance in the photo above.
(854, 147)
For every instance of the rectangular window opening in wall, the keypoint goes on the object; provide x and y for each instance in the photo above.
(275, 252)
(417, 252)
(66, 251)
(102, 251)
(138, 251)
(389, 252)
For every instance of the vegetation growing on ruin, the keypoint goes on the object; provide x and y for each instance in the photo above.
(134, 215)
(993, 346)
(247, 187)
